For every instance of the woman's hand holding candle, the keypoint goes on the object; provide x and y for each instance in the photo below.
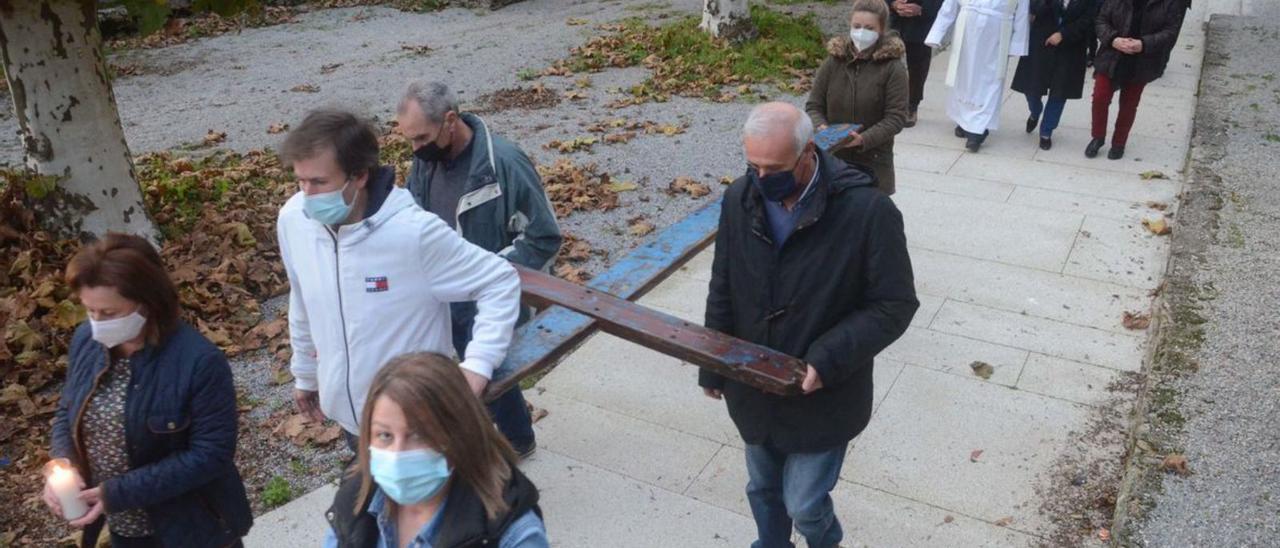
(97, 505)
(62, 490)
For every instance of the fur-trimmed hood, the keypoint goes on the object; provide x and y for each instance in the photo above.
(889, 47)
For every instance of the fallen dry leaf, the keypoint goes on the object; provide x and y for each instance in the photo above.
(1157, 225)
(278, 127)
(302, 432)
(1152, 174)
(639, 226)
(575, 21)
(1136, 320)
(688, 186)
(573, 274)
(326, 69)
(623, 186)
(975, 455)
(421, 49)
(948, 519)
(1158, 206)
(305, 88)
(1177, 464)
(1004, 521)
(214, 137)
(982, 369)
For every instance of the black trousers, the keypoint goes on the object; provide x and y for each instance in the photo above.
(918, 58)
(118, 541)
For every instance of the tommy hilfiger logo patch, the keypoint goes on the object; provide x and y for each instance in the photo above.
(376, 284)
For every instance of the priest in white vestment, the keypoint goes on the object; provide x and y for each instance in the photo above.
(987, 33)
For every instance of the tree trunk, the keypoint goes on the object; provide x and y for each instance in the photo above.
(728, 19)
(69, 126)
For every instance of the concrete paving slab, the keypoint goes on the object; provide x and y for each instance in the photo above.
(923, 158)
(1081, 180)
(954, 354)
(1011, 234)
(634, 448)
(1120, 252)
(301, 522)
(611, 373)
(869, 517)
(947, 184)
(1072, 381)
(682, 296)
(921, 446)
(587, 506)
(1142, 154)
(1083, 204)
(1026, 291)
(929, 306)
(1086, 344)
(699, 267)
(874, 518)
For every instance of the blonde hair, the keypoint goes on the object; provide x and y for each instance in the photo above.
(439, 407)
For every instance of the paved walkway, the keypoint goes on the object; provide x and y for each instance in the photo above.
(1024, 259)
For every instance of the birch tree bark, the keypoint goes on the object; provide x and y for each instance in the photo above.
(69, 126)
(728, 19)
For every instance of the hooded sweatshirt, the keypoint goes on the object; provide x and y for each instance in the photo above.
(381, 287)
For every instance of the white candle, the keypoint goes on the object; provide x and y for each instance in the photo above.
(66, 485)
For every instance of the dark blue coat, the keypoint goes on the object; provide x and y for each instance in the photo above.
(180, 426)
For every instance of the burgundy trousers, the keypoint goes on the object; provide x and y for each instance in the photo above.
(1103, 90)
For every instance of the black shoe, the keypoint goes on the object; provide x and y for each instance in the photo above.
(1095, 145)
(911, 119)
(1046, 143)
(1115, 153)
(1032, 122)
(960, 132)
(526, 452)
(973, 141)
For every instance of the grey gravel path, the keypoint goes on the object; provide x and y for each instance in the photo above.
(1232, 403)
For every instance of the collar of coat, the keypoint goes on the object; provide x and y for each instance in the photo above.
(888, 47)
(834, 176)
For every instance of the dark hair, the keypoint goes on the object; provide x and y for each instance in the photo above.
(439, 406)
(352, 138)
(131, 266)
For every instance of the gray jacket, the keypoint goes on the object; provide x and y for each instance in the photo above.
(504, 209)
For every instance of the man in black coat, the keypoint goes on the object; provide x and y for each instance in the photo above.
(912, 19)
(812, 261)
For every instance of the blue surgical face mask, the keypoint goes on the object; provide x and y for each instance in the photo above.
(408, 477)
(330, 208)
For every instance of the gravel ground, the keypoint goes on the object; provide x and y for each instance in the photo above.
(1231, 403)
(239, 84)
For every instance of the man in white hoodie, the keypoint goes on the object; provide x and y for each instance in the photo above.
(371, 274)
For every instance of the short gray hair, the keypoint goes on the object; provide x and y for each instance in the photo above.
(434, 98)
(770, 118)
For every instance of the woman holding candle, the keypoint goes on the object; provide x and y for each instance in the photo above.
(147, 423)
(431, 468)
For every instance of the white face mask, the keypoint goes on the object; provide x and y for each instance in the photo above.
(115, 332)
(863, 38)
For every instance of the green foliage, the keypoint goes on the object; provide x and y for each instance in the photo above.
(527, 74)
(687, 61)
(277, 492)
(151, 15)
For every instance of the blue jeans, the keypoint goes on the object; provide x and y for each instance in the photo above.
(794, 487)
(1052, 110)
(509, 411)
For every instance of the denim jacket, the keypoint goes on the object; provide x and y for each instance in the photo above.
(527, 531)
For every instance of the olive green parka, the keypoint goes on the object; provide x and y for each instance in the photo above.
(869, 89)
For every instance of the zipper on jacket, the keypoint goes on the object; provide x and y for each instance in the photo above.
(75, 425)
(342, 318)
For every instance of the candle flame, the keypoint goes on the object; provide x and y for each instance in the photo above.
(60, 475)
